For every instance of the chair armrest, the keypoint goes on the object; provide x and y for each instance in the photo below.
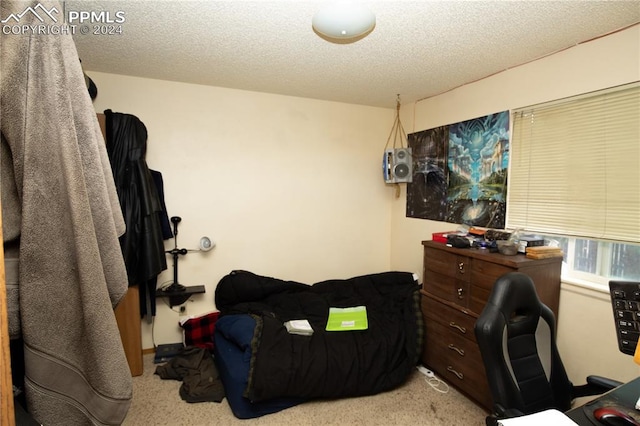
(595, 386)
(604, 383)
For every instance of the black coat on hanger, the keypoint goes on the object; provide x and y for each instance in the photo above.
(142, 244)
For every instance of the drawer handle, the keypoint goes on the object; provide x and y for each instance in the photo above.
(454, 348)
(458, 375)
(460, 293)
(461, 329)
(461, 267)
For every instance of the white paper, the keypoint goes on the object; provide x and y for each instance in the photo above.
(547, 417)
(300, 325)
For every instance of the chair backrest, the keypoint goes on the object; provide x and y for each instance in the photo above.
(516, 334)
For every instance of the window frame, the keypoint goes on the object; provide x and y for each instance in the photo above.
(598, 280)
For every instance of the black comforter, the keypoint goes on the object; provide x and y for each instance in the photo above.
(326, 364)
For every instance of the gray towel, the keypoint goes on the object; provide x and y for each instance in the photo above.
(63, 211)
(13, 297)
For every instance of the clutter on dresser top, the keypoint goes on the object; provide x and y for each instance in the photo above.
(508, 243)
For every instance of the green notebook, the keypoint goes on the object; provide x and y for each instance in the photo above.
(347, 319)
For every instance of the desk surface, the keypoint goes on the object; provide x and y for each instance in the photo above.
(624, 397)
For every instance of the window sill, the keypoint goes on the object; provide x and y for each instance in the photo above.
(584, 284)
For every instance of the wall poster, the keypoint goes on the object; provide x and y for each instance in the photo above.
(460, 172)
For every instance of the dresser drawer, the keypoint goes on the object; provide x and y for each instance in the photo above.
(441, 341)
(457, 360)
(448, 288)
(483, 276)
(454, 320)
(449, 275)
(447, 264)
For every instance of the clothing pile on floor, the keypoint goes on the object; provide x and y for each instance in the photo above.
(195, 368)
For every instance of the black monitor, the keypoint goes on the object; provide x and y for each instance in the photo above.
(625, 300)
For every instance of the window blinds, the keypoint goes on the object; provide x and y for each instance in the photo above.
(575, 166)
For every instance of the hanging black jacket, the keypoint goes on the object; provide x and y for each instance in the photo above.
(142, 244)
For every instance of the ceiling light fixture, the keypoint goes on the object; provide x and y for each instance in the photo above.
(343, 22)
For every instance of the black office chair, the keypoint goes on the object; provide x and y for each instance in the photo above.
(516, 334)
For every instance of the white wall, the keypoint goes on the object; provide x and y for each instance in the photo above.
(287, 187)
(586, 334)
(291, 187)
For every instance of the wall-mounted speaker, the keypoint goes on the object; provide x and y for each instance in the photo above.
(397, 165)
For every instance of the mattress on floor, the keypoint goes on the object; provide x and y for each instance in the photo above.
(232, 354)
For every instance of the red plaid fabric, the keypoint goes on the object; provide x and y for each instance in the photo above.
(199, 331)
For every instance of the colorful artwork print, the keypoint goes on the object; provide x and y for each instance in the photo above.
(478, 163)
(460, 172)
(427, 193)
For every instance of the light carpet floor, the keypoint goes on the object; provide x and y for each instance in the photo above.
(157, 402)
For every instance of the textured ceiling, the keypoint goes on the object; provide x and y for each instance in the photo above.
(418, 49)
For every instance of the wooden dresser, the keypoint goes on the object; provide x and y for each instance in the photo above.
(456, 286)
